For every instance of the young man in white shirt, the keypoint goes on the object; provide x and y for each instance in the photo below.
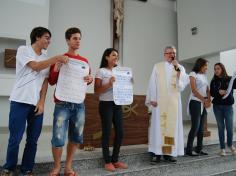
(27, 99)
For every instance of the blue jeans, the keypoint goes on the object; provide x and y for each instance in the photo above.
(66, 115)
(20, 113)
(224, 118)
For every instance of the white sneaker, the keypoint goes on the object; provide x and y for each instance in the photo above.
(222, 152)
(233, 150)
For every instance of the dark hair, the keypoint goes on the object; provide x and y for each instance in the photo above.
(107, 52)
(223, 73)
(38, 32)
(199, 64)
(71, 31)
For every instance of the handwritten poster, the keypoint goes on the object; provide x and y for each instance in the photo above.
(230, 85)
(70, 85)
(123, 86)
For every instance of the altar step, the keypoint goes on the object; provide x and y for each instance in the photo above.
(138, 160)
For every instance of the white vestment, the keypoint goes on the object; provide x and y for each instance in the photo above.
(155, 136)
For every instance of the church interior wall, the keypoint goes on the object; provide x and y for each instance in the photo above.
(213, 23)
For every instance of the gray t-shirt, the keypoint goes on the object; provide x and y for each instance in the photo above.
(105, 74)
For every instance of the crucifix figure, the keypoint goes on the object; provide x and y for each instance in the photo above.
(118, 16)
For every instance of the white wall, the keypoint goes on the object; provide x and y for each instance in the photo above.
(228, 58)
(19, 17)
(215, 20)
(148, 28)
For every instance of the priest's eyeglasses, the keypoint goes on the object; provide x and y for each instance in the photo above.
(171, 53)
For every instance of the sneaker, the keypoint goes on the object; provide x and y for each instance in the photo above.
(6, 172)
(222, 152)
(110, 167)
(233, 150)
(120, 165)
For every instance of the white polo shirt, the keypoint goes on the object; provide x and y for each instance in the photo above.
(28, 82)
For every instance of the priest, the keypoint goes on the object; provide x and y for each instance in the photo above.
(163, 97)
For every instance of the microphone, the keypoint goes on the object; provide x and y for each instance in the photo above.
(176, 68)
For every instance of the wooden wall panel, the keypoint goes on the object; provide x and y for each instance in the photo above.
(10, 58)
(136, 122)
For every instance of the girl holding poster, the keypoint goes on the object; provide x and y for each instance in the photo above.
(108, 110)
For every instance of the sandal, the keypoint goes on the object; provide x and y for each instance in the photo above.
(54, 173)
(70, 173)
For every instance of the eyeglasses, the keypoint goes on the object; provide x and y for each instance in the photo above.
(171, 53)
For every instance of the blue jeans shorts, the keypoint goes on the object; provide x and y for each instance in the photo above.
(71, 117)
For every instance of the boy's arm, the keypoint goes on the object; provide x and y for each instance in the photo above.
(40, 105)
(37, 66)
(53, 73)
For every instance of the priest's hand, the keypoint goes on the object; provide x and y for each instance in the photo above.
(175, 63)
(154, 103)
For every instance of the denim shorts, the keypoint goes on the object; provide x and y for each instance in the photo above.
(71, 117)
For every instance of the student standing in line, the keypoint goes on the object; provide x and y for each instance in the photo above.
(200, 99)
(222, 108)
(108, 110)
(68, 115)
(28, 98)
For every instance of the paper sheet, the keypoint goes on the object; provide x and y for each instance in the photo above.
(230, 86)
(123, 86)
(70, 85)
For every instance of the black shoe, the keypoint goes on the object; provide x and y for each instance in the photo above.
(191, 154)
(169, 159)
(155, 159)
(201, 153)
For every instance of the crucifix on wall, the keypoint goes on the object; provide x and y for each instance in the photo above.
(118, 18)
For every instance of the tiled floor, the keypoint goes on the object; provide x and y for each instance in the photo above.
(44, 144)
